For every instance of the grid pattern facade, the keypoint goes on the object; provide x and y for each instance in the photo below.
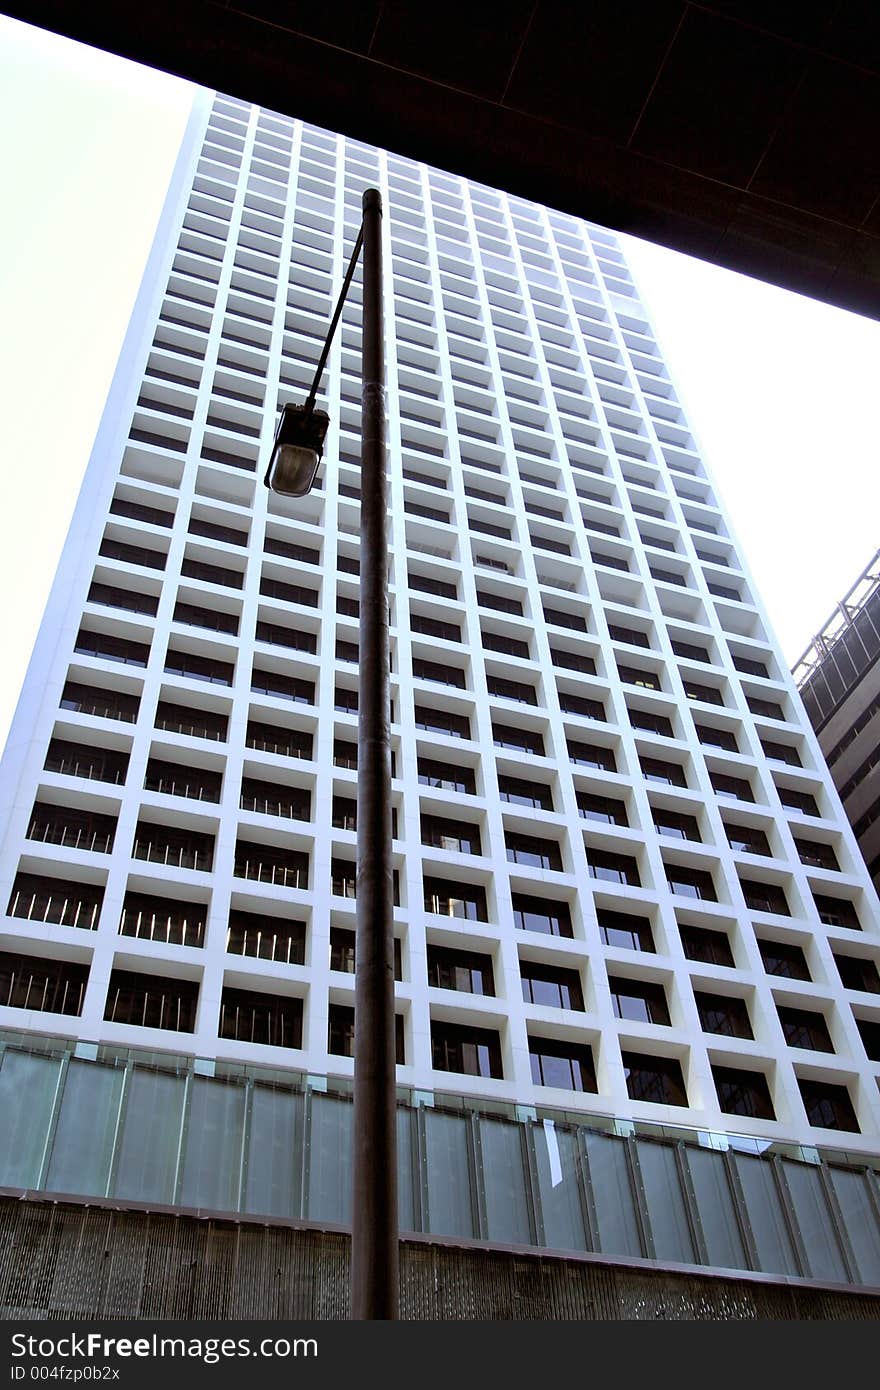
(625, 884)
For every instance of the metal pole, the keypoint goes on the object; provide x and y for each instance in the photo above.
(374, 1241)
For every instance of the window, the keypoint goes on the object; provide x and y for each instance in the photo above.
(726, 785)
(528, 740)
(151, 918)
(624, 929)
(710, 947)
(768, 709)
(713, 737)
(187, 719)
(268, 938)
(113, 597)
(858, 972)
(782, 752)
(816, 854)
(533, 851)
(668, 774)
(690, 883)
(83, 760)
(343, 952)
(798, 801)
(437, 721)
(691, 652)
(275, 799)
(102, 704)
(180, 779)
(551, 985)
(828, 1106)
(288, 593)
(869, 1031)
(784, 958)
(176, 847)
(276, 635)
(573, 661)
(433, 627)
(509, 646)
(471, 1051)
(651, 722)
(500, 602)
(708, 694)
(563, 618)
(837, 912)
(468, 971)
(605, 809)
(743, 1093)
(654, 1079)
(150, 1001)
(643, 1001)
(460, 837)
(633, 636)
(675, 824)
(637, 675)
(511, 690)
(581, 704)
(764, 897)
(254, 1017)
(545, 915)
(427, 584)
(43, 984)
(271, 864)
(723, 1013)
(450, 899)
(805, 1028)
(747, 839)
(107, 647)
(565, 1065)
(340, 1033)
(613, 868)
(521, 793)
(274, 738)
(41, 898)
(200, 668)
(447, 776)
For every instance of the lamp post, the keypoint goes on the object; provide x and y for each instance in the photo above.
(292, 469)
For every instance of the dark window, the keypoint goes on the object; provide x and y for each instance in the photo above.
(276, 635)
(573, 661)
(253, 1017)
(103, 704)
(723, 1013)
(690, 883)
(709, 694)
(724, 784)
(637, 675)
(614, 868)
(472, 1051)
(550, 984)
(828, 1106)
(269, 938)
(723, 591)
(644, 1001)
(691, 652)
(858, 972)
(447, 776)
(784, 958)
(668, 774)
(213, 619)
(649, 721)
(592, 755)
(561, 617)
(805, 1028)
(344, 813)
(676, 824)
(798, 801)
(837, 912)
(433, 627)
(39, 898)
(154, 516)
(511, 690)
(150, 1001)
(566, 1065)
(107, 647)
(462, 970)
(522, 793)
(623, 929)
(201, 668)
(749, 666)
(710, 947)
(133, 554)
(451, 899)
(187, 719)
(347, 651)
(769, 709)
(171, 845)
(112, 597)
(36, 982)
(438, 721)
(509, 646)
(292, 550)
(211, 574)
(743, 1093)
(343, 878)
(344, 754)
(818, 855)
(427, 584)
(713, 737)
(175, 922)
(633, 636)
(869, 1031)
(606, 809)
(782, 752)
(343, 952)
(764, 897)
(440, 833)
(654, 1079)
(271, 864)
(275, 799)
(747, 839)
(274, 738)
(500, 602)
(83, 760)
(288, 593)
(531, 850)
(529, 740)
(230, 535)
(282, 687)
(581, 704)
(440, 672)
(178, 779)
(541, 914)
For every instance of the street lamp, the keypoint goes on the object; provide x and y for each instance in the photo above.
(293, 466)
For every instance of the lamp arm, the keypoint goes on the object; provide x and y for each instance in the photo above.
(313, 389)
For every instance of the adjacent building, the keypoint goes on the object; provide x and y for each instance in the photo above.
(638, 998)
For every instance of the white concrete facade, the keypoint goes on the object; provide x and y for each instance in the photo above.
(549, 504)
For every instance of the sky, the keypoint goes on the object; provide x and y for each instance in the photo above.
(780, 391)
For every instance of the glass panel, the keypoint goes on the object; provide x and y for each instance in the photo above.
(212, 1146)
(330, 1160)
(859, 1218)
(507, 1206)
(715, 1205)
(612, 1194)
(814, 1220)
(405, 1193)
(150, 1141)
(275, 1150)
(27, 1094)
(559, 1187)
(775, 1254)
(450, 1210)
(83, 1143)
(665, 1201)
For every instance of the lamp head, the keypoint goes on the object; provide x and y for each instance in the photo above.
(297, 450)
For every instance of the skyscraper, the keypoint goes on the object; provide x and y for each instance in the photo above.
(637, 965)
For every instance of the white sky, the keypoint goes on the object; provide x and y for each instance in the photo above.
(780, 391)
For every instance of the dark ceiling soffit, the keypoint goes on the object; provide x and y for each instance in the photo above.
(589, 177)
